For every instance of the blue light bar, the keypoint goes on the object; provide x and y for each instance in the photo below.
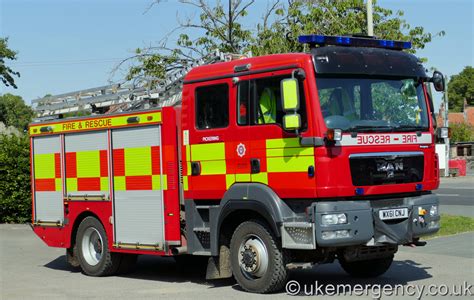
(323, 40)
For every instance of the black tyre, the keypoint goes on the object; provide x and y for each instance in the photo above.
(71, 257)
(92, 249)
(257, 260)
(367, 268)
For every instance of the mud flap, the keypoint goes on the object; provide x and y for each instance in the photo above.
(218, 267)
(397, 233)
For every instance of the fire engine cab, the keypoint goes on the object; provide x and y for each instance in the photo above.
(269, 163)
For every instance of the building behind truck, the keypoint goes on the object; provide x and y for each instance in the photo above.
(263, 164)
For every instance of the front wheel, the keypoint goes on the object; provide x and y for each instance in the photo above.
(93, 251)
(367, 268)
(257, 260)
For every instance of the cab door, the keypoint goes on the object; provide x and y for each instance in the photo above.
(214, 142)
(284, 165)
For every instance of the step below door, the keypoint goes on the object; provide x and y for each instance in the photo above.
(138, 194)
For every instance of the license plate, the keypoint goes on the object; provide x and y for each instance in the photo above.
(391, 214)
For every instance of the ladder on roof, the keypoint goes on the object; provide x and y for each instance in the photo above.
(118, 97)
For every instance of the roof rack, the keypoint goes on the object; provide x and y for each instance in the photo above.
(122, 97)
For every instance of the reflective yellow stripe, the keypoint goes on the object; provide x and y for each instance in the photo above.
(188, 168)
(188, 153)
(213, 167)
(260, 177)
(286, 164)
(185, 183)
(290, 151)
(119, 183)
(99, 123)
(242, 177)
(229, 180)
(88, 164)
(44, 166)
(59, 184)
(138, 161)
(104, 183)
(283, 143)
(71, 184)
(215, 151)
(156, 182)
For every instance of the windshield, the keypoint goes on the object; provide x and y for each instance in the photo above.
(370, 104)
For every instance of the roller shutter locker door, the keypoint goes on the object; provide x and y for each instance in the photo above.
(47, 179)
(138, 186)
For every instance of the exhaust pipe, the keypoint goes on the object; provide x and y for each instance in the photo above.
(179, 250)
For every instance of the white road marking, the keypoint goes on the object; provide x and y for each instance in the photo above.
(448, 195)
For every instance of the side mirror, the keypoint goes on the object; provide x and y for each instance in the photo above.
(289, 94)
(291, 122)
(438, 81)
(443, 132)
(291, 103)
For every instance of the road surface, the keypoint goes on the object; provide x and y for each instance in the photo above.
(457, 196)
(31, 270)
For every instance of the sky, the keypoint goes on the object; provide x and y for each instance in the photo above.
(64, 46)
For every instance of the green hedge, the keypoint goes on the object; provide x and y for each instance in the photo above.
(15, 184)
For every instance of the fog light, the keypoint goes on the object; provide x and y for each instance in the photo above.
(334, 219)
(340, 234)
(328, 235)
(434, 210)
(337, 234)
(433, 224)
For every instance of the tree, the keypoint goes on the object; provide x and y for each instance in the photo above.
(15, 188)
(461, 132)
(221, 27)
(460, 88)
(333, 18)
(6, 73)
(14, 112)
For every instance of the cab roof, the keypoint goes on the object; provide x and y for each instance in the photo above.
(244, 66)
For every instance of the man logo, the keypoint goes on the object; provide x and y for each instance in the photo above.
(390, 167)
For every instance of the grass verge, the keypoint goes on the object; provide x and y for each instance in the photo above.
(452, 225)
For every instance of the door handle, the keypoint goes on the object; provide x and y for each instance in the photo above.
(254, 165)
(195, 168)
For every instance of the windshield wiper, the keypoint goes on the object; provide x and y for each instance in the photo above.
(369, 128)
(409, 128)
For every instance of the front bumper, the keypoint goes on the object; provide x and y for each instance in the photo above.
(364, 227)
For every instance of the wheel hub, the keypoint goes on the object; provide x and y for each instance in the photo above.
(253, 257)
(92, 246)
(249, 259)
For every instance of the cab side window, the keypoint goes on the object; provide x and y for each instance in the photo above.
(212, 106)
(259, 102)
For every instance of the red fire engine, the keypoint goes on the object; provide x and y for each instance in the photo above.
(269, 163)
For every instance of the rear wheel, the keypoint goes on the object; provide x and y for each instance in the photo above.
(258, 262)
(367, 268)
(92, 249)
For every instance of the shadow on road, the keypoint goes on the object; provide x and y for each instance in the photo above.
(60, 264)
(167, 270)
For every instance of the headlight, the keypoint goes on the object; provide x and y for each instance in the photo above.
(434, 210)
(334, 219)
